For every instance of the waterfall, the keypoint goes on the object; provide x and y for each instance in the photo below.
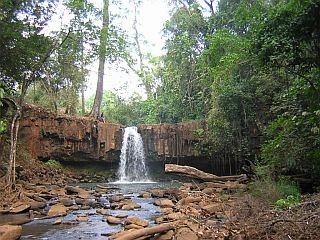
(132, 160)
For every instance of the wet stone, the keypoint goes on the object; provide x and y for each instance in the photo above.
(114, 220)
(103, 211)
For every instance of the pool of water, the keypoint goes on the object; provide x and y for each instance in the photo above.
(96, 228)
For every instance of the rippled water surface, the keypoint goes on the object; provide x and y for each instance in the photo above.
(95, 228)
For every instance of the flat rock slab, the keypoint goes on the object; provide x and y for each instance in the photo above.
(144, 195)
(122, 215)
(68, 202)
(164, 203)
(103, 211)
(82, 218)
(20, 207)
(16, 219)
(117, 198)
(57, 210)
(158, 193)
(137, 221)
(10, 232)
(114, 220)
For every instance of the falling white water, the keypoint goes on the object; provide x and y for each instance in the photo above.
(132, 160)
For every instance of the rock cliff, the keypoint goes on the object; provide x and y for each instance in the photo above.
(51, 136)
(171, 140)
(47, 135)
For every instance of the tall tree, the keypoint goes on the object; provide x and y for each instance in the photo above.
(24, 50)
(102, 58)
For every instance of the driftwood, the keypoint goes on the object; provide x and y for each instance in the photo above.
(140, 233)
(208, 177)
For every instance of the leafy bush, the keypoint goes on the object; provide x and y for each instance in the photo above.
(3, 126)
(288, 188)
(53, 163)
(288, 202)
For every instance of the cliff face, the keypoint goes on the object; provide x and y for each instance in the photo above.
(49, 136)
(171, 140)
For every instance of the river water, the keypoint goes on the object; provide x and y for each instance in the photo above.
(96, 228)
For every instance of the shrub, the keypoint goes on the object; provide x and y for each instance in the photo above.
(53, 163)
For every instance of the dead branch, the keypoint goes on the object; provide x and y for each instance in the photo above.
(136, 234)
(196, 173)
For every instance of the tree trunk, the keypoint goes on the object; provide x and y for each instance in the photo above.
(11, 174)
(136, 234)
(142, 70)
(102, 58)
(196, 173)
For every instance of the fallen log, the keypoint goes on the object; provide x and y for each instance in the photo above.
(198, 174)
(150, 231)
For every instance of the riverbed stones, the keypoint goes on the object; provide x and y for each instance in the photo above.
(132, 226)
(130, 205)
(58, 221)
(10, 232)
(137, 221)
(126, 204)
(57, 210)
(82, 218)
(164, 203)
(122, 215)
(212, 208)
(20, 207)
(144, 195)
(185, 233)
(35, 205)
(113, 220)
(80, 192)
(117, 198)
(67, 202)
(103, 211)
(190, 199)
(157, 193)
(166, 236)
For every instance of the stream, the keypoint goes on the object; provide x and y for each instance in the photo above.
(96, 227)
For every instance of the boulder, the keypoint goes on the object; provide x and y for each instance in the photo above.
(122, 215)
(58, 221)
(144, 195)
(57, 210)
(20, 207)
(10, 232)
(35, 205)
(103, 211)
(157, 193)
(113, 220)
(82, 218)
(137, 221)
(130, 205)
(164, 203)
(117, 198)
(67, 202)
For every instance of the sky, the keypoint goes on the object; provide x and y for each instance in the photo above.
(151, 18)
